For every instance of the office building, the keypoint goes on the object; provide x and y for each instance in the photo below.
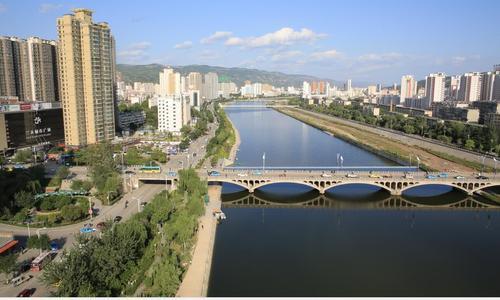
(408, 87)
(470, 87)
(434, 87)
(30, 124)
(86, 69)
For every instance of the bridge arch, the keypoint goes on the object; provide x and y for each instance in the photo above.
(379, 185)
(453, 185)
(303, 183)
(485, 185)
(226, 180)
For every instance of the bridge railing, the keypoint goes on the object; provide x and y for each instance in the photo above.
(306, 169)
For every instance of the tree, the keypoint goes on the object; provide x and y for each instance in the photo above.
(8, 263)
(62, 172)
(24, 199)
(470, 144)
(23, 156)
(39, 243)
(72, 213)
(409, 129)
(78, 185)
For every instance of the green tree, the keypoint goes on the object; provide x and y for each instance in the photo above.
(72, 213)
(8, 263)
(34, 242)
(409, 129)
(23, 156)
(24, 199)
(470, 144)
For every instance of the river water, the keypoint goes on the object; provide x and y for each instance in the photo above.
(286, 240)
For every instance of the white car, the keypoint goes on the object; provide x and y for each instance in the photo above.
(351, 175)
(326, 175)
(242, 175)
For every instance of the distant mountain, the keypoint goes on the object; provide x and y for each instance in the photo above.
(149, 73)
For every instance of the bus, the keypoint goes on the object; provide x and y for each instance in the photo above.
(150, 169)
(41, 260)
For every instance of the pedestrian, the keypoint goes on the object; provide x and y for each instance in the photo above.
(201, 226)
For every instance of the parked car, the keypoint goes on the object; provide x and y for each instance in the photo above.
(20, 279)
(172, 173)
(101, 225)
(26, 292)
(54, 246)
(87, 230)
(117, 219)
(213, 173)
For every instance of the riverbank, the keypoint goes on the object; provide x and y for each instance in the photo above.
(236, 144)
(397, 151)
(195, 283)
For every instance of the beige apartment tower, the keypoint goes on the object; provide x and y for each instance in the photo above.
(86, 68)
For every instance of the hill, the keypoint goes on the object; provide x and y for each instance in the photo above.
(149, 73)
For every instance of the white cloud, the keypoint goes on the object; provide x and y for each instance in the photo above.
(3, 8)
(208, 55)
(135, 52)
(49, 7)
(284, 36)
(217, 36)
(458, 60)
(184, 45)
(381, 57)
(285, 55)
(328, 54)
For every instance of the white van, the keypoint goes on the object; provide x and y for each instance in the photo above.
(20, 279)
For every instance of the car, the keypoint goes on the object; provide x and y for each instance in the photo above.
(213, 173)
(24, 267)
(54, 246)
(117, 219)
(443, 175)
(87, 230)
(172, 173)
(129, 172)
(325, 175)
(482, 177)
(256, 172)
(101, 225)
(351, 175)
(430, 176)
(459, 177)
(26, 292)
(386, 176)
(375, 176)
(242, 174)
(408, 176)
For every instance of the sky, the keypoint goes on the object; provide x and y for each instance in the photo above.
(373, 41)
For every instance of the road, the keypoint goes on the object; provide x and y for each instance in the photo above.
(409, 139)
(66, 234)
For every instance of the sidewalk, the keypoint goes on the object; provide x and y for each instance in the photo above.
(195, 282)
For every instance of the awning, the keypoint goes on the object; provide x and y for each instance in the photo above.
(7, 246)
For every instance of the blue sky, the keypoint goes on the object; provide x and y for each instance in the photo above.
(368, 41)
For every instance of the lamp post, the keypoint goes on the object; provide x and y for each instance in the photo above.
(482, 165)
(495, 167)
(38, 234)
(263, 161)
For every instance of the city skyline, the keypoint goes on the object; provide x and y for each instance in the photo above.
(324, 43)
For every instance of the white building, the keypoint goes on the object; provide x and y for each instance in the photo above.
(170, 83)
(210, 89)
(227, 88)
(173, 113)
(257, 89)
(408, 87)
(434, 87)
(306, 90)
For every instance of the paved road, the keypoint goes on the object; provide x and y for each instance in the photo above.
(411, 140)
(66, 234)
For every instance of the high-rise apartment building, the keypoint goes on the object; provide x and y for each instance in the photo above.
(408, 87)
(195, 81)
(86, 70)
(470, 87)
(210, 86)
(490, 86)
(454, 87)
(43, 70)
(434, 87)
(170, 82)
(28, 69)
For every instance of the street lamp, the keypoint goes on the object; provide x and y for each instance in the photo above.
(38, 234)
(263, 161)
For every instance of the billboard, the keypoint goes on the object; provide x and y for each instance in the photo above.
(28, 128)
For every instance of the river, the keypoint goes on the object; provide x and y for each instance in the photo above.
(286, 240)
